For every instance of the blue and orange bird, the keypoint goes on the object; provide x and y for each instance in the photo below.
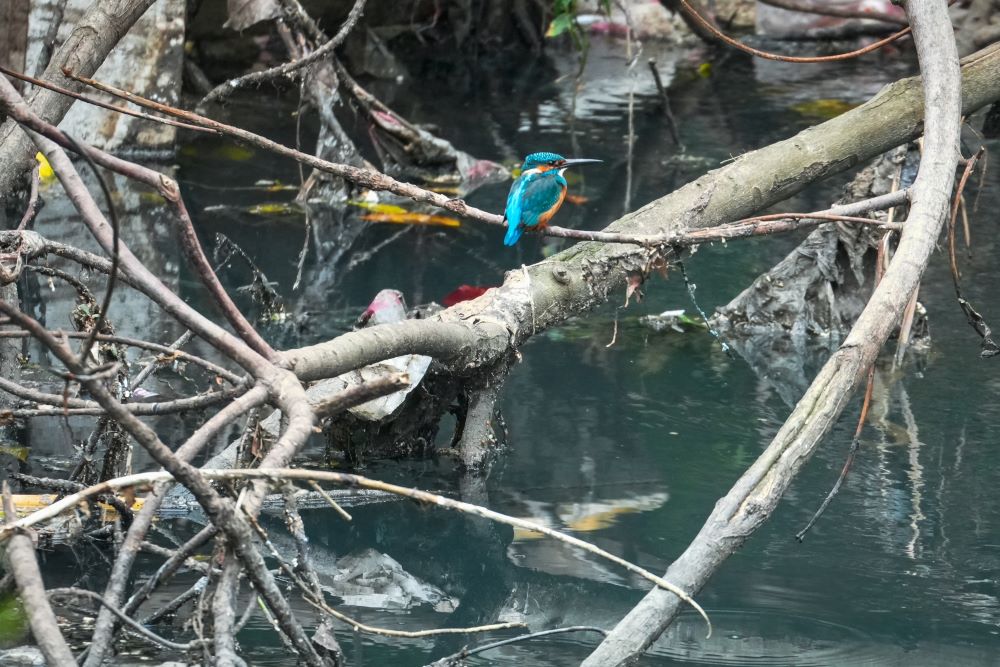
(536, 194)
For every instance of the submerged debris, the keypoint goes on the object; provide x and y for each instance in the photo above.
(367, 578)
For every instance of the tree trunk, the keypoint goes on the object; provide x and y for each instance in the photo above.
(90, 42)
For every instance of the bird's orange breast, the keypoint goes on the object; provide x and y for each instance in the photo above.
(544, 218)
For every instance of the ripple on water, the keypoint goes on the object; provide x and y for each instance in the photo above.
(777, 639)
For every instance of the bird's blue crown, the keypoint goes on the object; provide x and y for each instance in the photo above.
(536, 159)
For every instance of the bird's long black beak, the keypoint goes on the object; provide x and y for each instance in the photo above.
(576, 161)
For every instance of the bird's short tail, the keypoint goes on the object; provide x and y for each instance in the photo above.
(513, 234)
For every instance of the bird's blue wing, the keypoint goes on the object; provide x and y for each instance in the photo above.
(514, 201)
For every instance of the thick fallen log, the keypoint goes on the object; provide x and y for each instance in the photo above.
(476, 334)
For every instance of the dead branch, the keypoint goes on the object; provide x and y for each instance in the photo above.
(377, 181)
(219, 510)
(102, 311)
(153, 364)
(366, 178)
(851, 452)
(168, 353)
(48, 85)
(718, 34)
(282, 386)
(63, 406)
(144, 519)
(34, 203)
(167, 188)
(361, 394)
(136, 627)
(756, 493)
(477, 333)
(989, 347)
(179, 601)
(174, 562)
(457, 659)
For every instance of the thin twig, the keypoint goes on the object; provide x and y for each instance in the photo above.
(152, 365)
(42, 83)
(174, 562)
(367, 178)
(667, 112)
(61, 405)
(374, 180)
(358, 626)
(855, 445)
(330, 501)
(989, 347)
(179, 601)
(33, 201)
(168, 353)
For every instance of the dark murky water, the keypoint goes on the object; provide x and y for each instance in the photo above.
(630, 446)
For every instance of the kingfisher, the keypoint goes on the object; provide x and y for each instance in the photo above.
(537, 193)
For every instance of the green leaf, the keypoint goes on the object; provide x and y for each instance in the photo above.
(559, 25)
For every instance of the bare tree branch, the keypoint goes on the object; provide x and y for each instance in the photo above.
(269, 475)
(756, 493)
